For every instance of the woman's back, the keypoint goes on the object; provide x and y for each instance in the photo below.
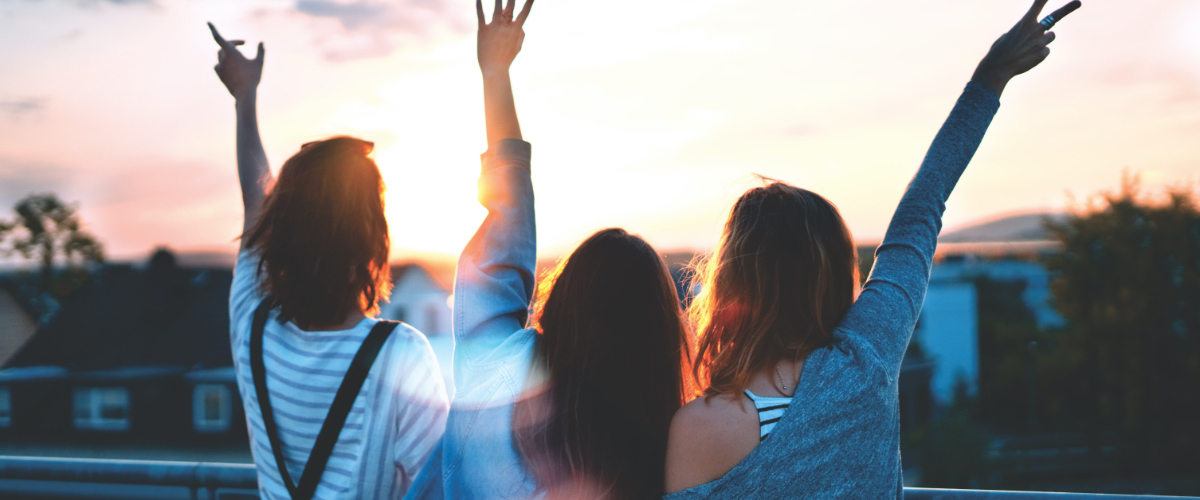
(838, 438)
(393, 424)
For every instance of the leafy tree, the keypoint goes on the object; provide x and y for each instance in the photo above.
(1127, 369)
(49, 231)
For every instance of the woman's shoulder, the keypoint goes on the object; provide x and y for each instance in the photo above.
(709, 436)
(410, 346)
(417, 375)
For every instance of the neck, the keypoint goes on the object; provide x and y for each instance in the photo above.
(767, 382)
(351, 320)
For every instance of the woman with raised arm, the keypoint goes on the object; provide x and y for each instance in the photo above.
(577, 405)
(801, 398)
(338, 404)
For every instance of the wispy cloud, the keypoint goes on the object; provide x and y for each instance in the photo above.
(88, 3)
(19, 108)
(19, 178)
(371, 28)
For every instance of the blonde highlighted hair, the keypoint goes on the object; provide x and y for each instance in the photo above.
(782, 277)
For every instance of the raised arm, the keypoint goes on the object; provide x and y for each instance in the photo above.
(498, 44)
(887, 310)
(495, 277)
(241, 77)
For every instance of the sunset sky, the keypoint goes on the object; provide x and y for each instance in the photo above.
(646, 114)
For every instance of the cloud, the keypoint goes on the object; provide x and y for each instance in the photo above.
(20, 178)
(20, 108)
(93, 3)
(371, 28)
(89, 3)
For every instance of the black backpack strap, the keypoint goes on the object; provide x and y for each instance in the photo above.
(356, 374)
(260, 388)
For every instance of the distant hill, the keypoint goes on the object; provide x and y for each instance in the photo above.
(1014, 228)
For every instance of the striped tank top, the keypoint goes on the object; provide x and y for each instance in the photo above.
(770, 410)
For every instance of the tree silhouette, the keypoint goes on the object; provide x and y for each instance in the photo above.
(48, 231)
(1128, 282)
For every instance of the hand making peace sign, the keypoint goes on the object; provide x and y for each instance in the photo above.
(1015, 52)
(240, 75)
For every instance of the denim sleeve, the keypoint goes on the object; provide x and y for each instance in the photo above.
(886, 312)
(494, 282)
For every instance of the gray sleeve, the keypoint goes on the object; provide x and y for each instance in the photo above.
(886, 312)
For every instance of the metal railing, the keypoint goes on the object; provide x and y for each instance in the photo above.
(940, 494)
(77, 479)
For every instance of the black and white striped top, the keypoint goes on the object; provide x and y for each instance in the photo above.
(770, 410)
(393, 426)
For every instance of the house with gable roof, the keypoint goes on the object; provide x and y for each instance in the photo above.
(136, 355)
(140, 357)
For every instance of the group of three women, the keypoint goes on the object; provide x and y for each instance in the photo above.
(580, 388)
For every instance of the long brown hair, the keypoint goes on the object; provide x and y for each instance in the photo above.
(616, 348)
(322, 236)
(781, 278)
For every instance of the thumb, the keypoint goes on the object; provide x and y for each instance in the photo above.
(261, 52)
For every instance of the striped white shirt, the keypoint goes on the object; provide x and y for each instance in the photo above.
(395, 421)
(770, 411)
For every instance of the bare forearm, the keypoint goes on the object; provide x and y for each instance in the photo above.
(253, 170)
(500, 108)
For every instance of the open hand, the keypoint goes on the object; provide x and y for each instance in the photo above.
(1015, 52)
(500, 40)
(240, 75)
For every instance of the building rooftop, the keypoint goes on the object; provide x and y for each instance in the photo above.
(162, 315)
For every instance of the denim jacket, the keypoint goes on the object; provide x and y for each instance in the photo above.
(476, 458)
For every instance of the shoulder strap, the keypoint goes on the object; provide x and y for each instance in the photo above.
(338, 411)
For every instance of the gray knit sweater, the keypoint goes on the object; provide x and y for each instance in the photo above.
(841, 436)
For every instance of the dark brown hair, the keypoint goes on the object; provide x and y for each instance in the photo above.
(616, 348)
(322, 235)
(781, 278)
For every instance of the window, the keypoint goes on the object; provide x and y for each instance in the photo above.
(211, 408)
(102, 408)
(5, 408)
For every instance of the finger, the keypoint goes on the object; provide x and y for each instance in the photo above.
(479, 12)
(1049, 21)
(1035, 10)
(496, 12)
(1031, 61)
(217, 36)
(1036, 44)
(262, 52)
(508, 10)
(236, 43)
(524, 12)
